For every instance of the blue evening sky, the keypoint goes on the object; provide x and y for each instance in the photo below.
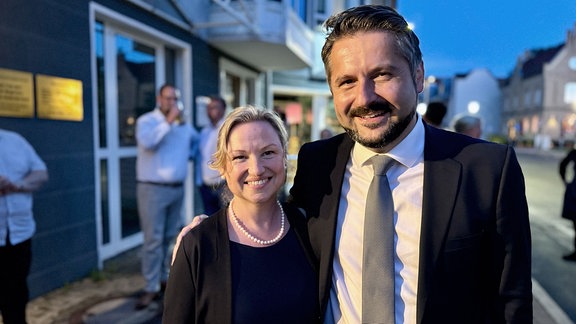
(457, 36)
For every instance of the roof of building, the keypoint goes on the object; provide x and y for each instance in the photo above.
(534, 65)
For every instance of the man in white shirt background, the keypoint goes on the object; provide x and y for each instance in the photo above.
(164, 147)
(208, 181)
(22, 172)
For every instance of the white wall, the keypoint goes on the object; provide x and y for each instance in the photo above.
(481, 86)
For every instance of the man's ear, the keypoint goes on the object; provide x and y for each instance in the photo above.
(419, 77)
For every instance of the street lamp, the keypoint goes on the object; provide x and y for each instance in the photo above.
(421, 108)
(473, 107)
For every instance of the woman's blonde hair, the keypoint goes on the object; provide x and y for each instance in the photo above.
(241, 115)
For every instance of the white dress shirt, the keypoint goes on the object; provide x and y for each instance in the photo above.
(163, 149)
(17, 159)
(406, 178)
(208, 143)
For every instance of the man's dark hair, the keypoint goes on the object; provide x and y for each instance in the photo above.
(164, 86)
(371, 18)
(219, 99)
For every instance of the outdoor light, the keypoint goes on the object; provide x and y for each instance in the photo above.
(421, 108)
(473, 107)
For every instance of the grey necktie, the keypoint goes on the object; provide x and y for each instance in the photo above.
(378, 257)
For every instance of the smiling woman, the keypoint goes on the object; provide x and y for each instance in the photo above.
(251, 154)
(249, 262)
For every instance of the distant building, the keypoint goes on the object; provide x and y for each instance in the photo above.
(539, 97)
(476, 93)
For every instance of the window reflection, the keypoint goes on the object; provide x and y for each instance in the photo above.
(136, 66)
(101, 77)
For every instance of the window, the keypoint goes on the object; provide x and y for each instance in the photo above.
(570, 93)
(527, 97)
(131, 61)
(572, 63)
(299, 7)
(538, 97)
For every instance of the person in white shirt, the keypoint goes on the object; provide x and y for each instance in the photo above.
(208, 181)
(22, 172)
(165, 144)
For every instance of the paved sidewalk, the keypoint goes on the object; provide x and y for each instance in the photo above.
(111, 299)
(106, 298)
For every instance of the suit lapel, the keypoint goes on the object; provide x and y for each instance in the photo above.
(441, 179)
(325, 225)
(330, 205)
(328, 211)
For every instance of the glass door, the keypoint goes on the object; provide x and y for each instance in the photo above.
(129, 68)
(136, 84)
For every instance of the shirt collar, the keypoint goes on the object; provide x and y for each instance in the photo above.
(408, 152)
(158, 113)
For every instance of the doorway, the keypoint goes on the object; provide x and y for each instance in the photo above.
(130, 62)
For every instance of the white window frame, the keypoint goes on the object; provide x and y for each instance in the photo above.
(141, 32)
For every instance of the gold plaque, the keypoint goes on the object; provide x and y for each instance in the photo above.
(16, 94)
(59, 98)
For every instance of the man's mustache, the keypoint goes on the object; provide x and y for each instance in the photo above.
(371, 108)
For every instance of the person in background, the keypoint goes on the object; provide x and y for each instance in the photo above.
(22, 172)
(569, 203)
(468, 125)
(164, 143)
(208, 181)
(435, 112)
(326, 133)
(461, 235)
(250, 261)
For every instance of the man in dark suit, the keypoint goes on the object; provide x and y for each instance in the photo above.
(462, 249)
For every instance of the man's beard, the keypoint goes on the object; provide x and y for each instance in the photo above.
(393, 132)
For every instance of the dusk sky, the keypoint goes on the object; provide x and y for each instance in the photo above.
(457, 36)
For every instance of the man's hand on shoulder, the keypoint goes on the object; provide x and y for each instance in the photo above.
(195, 221)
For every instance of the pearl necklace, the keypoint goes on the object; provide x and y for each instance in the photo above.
(252, 237)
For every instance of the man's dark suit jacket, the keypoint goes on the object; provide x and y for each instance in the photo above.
(475, 250)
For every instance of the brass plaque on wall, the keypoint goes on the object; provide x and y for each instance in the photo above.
(59, 98)
(16, 94)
